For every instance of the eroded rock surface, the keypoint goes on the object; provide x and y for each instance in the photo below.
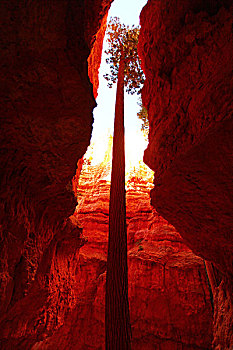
(186, 50)
(168, 292)
(46, 124)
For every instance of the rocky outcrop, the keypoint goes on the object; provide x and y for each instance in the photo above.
(46, 124)
(186, 50)
(169, 296)
(223, 316)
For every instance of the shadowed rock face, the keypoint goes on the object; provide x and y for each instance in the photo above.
(46, 123)
(186, 49)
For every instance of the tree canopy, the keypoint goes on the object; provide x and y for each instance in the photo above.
(143, 116)
(122, 38)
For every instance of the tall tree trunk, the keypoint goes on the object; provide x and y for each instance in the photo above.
(117, 321)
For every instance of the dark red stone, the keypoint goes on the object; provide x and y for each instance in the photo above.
(186, 50)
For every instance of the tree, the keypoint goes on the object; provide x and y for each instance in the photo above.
(121, 36)
(124, 67)
(143, 116)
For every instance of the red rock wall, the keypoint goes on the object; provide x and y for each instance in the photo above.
(94, 59)
(168, 292)
(186, 49)
(46, 124)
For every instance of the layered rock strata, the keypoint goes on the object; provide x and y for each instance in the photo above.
(169, 296)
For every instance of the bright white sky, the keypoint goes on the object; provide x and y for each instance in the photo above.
(128, 11)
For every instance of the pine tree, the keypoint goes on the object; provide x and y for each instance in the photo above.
(124, 67)
(121, 36)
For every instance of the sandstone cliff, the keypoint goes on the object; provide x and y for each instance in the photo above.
(46, 124)
(186, 49)
(169, 297)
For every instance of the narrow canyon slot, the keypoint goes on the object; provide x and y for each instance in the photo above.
(57, 116)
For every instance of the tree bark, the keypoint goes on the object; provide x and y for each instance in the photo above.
(117, 321)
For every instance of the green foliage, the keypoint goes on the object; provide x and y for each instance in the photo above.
(143, 116)
(126, 38)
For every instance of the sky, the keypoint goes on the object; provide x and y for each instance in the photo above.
(128, 11)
